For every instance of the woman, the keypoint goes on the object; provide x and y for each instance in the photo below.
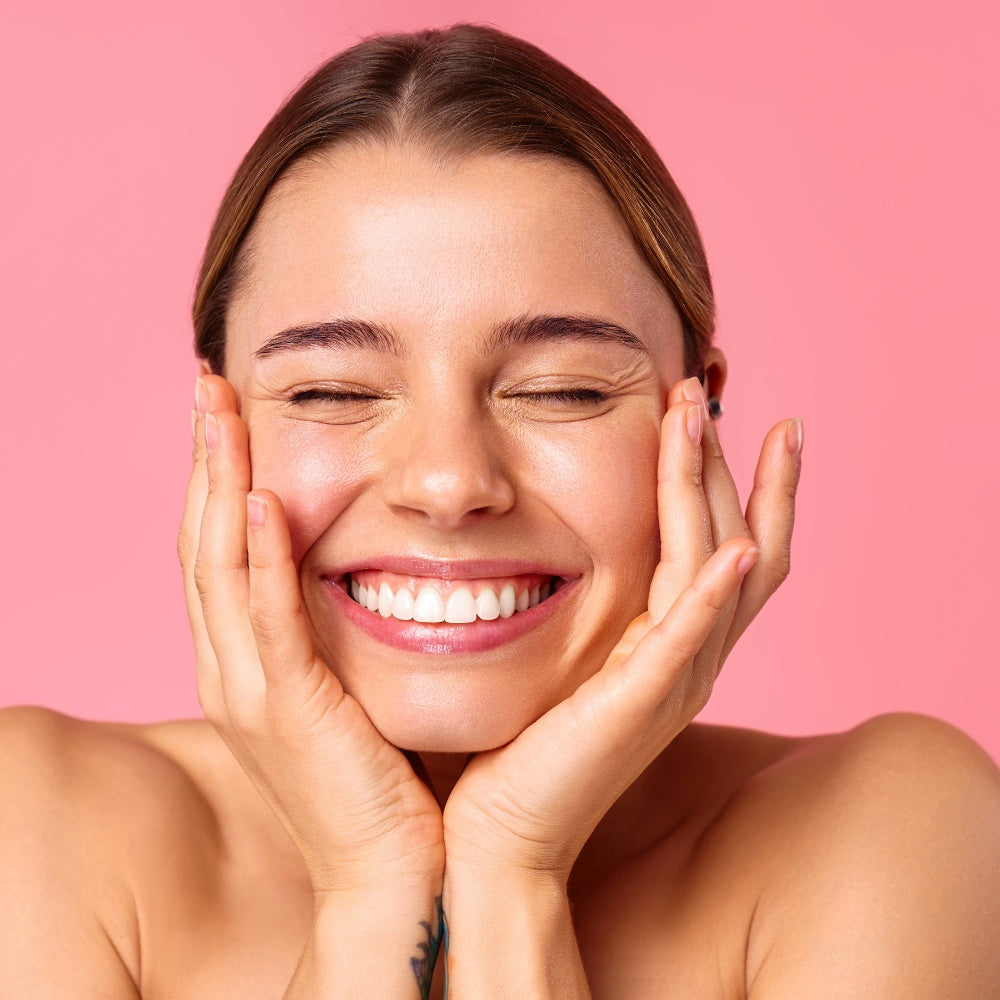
(463, 560)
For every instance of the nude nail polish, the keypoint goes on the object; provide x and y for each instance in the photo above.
(211, 432)
(793, 436)
(200, 395)
(695, 392)
(695, 424)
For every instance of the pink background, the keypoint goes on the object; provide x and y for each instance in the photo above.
(842, 160)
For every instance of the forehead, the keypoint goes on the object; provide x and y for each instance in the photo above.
(400, 237)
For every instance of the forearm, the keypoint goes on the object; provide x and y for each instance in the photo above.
(376, 944)
(510, 938)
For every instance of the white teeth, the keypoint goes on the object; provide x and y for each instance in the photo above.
(507, 601)
(402, 606)
(428, 606)
(461, 607)
(431, 607)
(385, 600)
(487, 605)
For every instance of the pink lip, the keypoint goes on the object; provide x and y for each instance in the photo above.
(465, 569)
(441, 639)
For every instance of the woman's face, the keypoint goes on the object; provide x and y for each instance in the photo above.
(453, 375)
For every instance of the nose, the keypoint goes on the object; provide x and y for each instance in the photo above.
(447, 467)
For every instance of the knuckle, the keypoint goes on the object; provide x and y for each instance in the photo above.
(266, 624)
(685, 648)
(188, 540)
(202, 575)
(699, 689)
(185, 548)
(714, 597)
(258, 559)
(692, 477)
(779, 567)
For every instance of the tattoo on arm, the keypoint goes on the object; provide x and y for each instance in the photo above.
(423, 965)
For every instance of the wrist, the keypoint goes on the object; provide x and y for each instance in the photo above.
(511, 935)
(366, 943)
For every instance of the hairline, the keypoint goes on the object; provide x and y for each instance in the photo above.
(447, 149)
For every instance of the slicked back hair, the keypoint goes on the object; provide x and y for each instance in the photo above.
(463, 90)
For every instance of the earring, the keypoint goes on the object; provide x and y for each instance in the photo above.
(714, 407)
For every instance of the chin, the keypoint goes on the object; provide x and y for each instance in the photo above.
(451, 727)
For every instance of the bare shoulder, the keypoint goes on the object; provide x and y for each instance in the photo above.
(877, 854)
(84, 809)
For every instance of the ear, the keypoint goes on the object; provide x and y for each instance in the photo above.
(713, 379)
(204, 367)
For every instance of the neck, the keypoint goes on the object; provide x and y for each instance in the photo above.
(439, 771)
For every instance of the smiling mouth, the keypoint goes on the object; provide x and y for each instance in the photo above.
(432, 601)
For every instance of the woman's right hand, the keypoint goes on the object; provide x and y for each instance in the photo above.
(350, 801)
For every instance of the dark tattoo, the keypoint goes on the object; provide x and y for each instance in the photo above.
(423, 966)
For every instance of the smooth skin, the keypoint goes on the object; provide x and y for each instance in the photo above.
(597, 843)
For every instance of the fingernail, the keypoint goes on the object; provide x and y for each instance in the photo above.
(211, 432)
(695, 424)
(200, 395)
(793, 436)
(695, 391)
(748, 560)
(256, 510)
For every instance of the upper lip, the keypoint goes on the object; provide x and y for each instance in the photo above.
(451, 569)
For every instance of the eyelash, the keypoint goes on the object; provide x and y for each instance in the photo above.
(305, 396)
(592, 397)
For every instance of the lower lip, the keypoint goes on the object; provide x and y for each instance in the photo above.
(474, 637)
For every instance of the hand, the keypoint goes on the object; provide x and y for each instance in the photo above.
(349, 800)
(531, 806)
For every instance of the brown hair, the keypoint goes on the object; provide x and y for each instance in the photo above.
(464, 89)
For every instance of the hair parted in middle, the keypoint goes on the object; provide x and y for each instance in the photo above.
(459, 91)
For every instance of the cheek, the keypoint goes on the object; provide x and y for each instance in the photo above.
(604, 487)
(312, 469)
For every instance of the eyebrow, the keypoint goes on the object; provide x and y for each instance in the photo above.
(357, 334)
(522, 330)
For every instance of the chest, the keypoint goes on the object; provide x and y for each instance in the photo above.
(642, 932)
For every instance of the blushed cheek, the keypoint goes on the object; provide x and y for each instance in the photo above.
(315, 476)
(627, 507)
(604, 487)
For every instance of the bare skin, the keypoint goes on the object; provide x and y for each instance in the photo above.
(140, 861)
(582, 836)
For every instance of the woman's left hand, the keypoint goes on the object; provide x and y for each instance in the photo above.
(530, 806)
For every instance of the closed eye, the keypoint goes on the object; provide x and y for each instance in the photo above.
(592, 396)
(304, 396)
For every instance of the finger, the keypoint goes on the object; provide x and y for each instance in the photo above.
(684, 521)
(209, 683)
(210, 392)
(221, 574)
(655, 678)
(724, 507)
(770, 517)
(678, 392)
(277, 614)
(673, 646)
